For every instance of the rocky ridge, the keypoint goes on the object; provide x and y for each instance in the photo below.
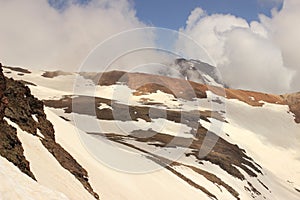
(19, 105)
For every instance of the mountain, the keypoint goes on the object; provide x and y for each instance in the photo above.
(199, 72)
(192, 70)
(119, 135)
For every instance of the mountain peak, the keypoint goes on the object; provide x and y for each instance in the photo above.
(198, 71)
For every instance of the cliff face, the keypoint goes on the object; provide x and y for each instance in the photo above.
(10, 146)
(19, 106)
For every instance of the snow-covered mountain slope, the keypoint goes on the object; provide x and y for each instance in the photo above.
(16, 185)
(139, 136)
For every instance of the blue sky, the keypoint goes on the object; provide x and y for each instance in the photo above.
(174, 13)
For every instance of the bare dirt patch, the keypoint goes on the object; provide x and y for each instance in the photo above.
(254, 98)
(148, 83)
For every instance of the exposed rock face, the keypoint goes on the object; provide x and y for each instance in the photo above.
(53, 74)
(10, 146)
(19, 105)
(224, 154)
(179, 88)
(18, 69)
(196, 70)
(3, 101)
(293, 100)
(147, 83)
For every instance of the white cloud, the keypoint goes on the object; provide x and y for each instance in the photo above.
(253, 62)
(262, 55)
(285, 31)
(35, 34)
(195, 15)
(208, 30)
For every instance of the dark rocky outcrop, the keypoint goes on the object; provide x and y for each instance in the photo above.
(224, 154)
(10, 146)
(89, 106)
(18, 69)
(19, 105)
(54, 74)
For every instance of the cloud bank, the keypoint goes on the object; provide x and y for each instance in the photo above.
(36, 35)
(261, 55)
